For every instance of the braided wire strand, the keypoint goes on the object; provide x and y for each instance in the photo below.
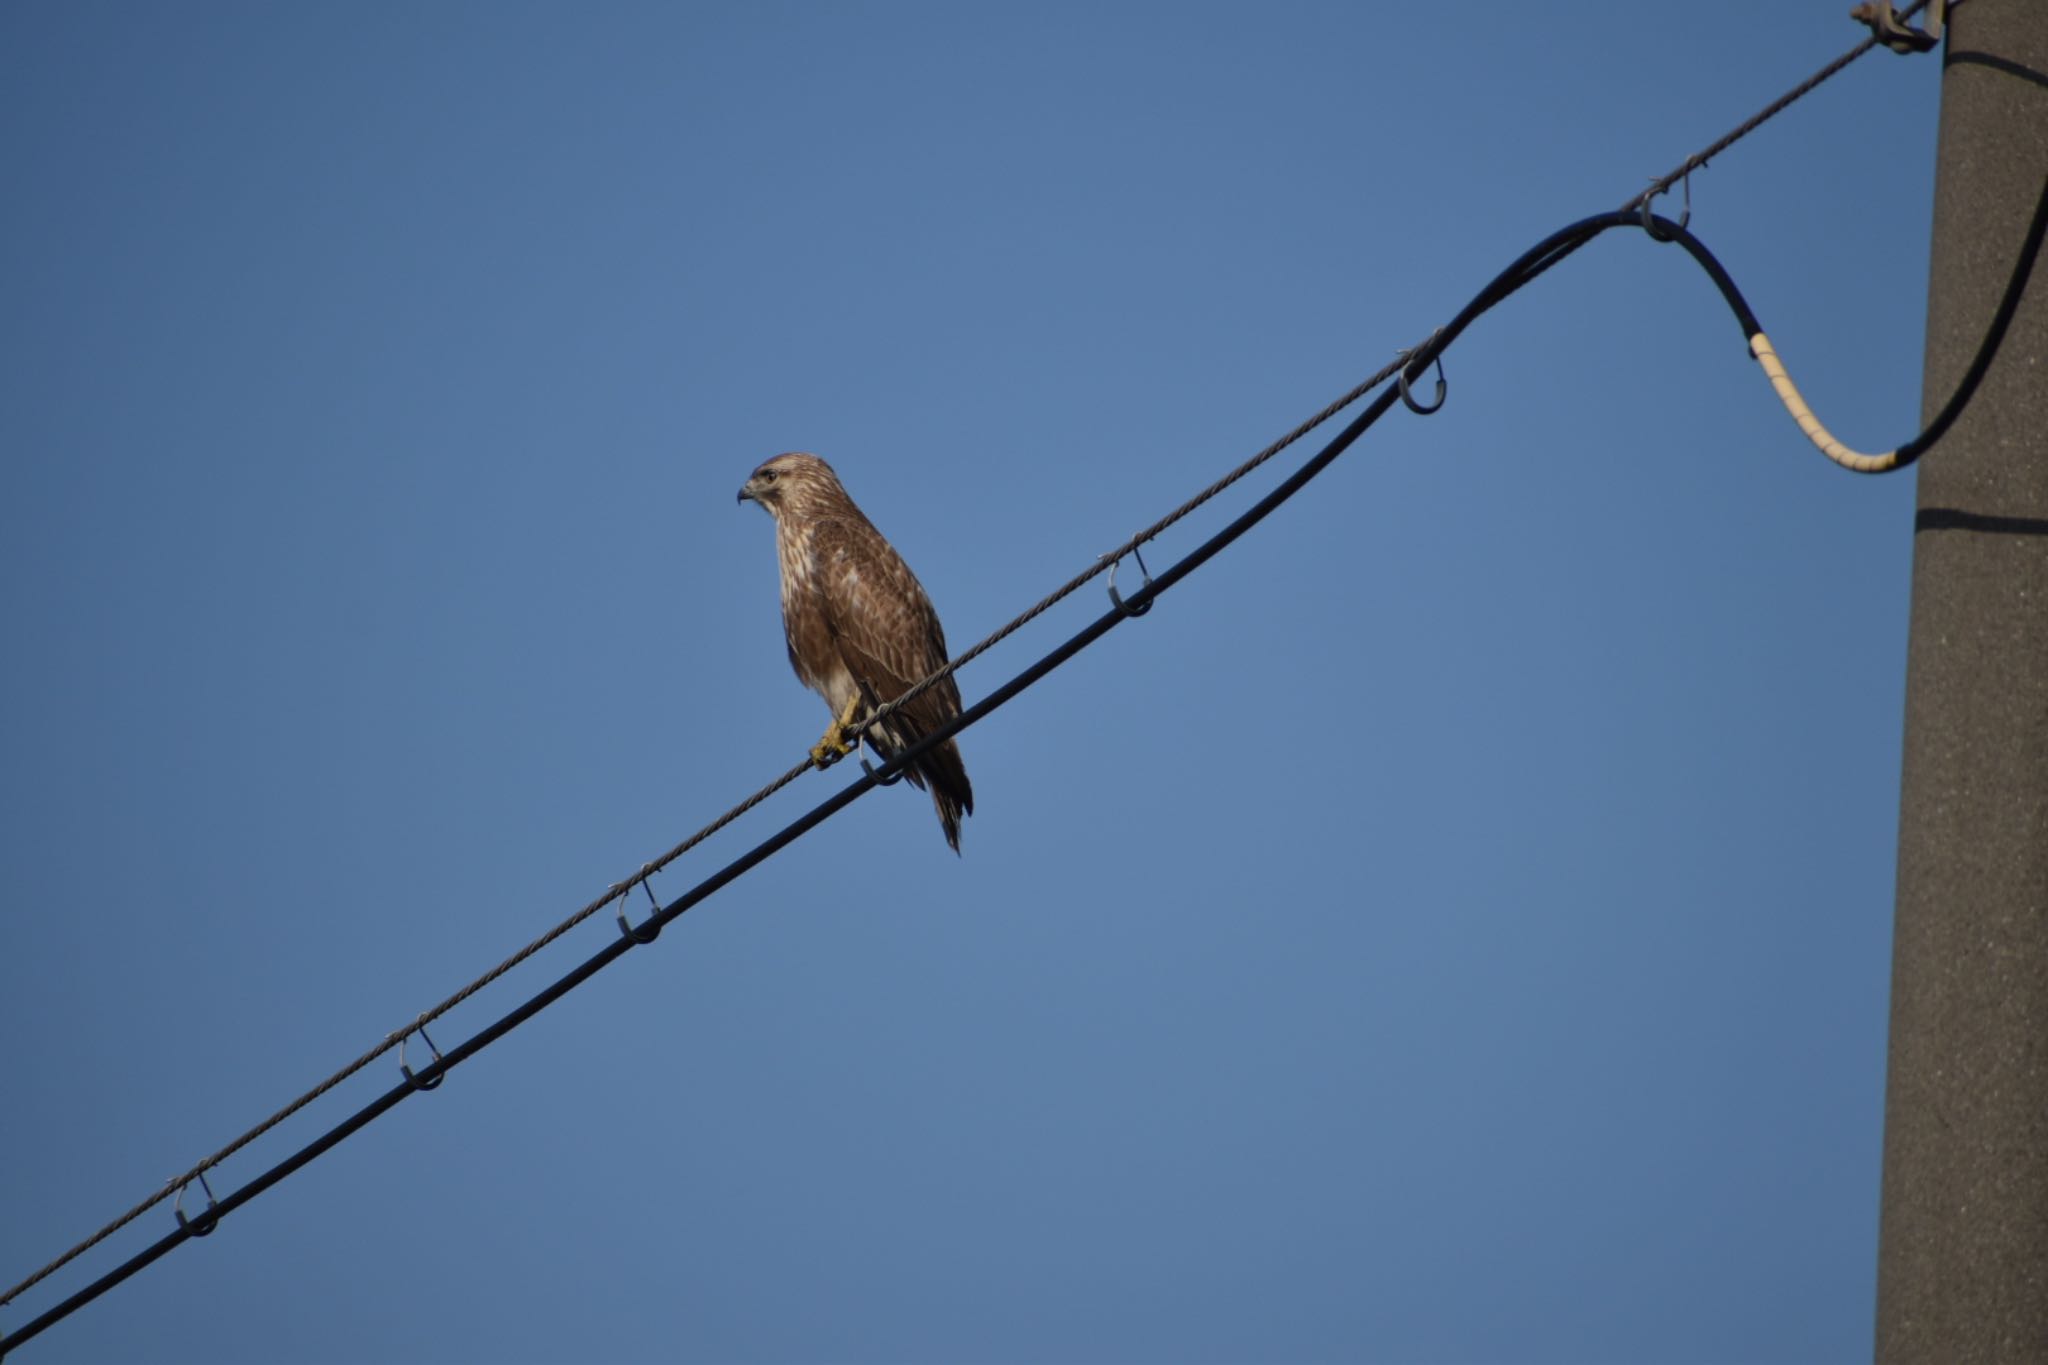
(618, 889)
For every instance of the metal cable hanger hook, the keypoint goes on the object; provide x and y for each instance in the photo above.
(1118, 598)
(411, 1078)
(867, 738)
(1658, 187)
(648, 932)
(1442, 387)
(208, 1219)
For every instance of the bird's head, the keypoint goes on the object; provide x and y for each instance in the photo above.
(790, 481)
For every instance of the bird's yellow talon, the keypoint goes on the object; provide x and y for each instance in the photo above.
(833, 746)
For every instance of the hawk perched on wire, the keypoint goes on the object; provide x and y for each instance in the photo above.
(860, 630)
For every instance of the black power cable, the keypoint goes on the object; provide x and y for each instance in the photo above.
(1966, 387)
(619, 889)
(1525, 269)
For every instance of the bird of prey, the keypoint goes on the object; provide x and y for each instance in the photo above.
(860, 630)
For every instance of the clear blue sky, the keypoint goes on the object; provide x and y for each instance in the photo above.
(1454, 926)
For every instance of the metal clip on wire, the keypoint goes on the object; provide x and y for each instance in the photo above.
(1899, 37)
(1684, 217)
(1441, 387)
(206, 1222)
(412, 1079)
(1117, 597)
(649, 931)
(869, 768)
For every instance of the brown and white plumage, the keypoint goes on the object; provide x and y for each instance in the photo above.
(860, 630)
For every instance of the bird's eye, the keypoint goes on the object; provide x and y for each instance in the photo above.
(768, 476)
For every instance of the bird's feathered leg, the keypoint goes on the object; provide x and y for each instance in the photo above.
(834, 739)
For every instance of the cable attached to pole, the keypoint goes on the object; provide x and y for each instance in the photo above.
(1526, 268)
(1885, 462)
(619, 889)
(1411, 365)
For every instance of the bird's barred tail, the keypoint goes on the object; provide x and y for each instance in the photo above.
(951, 794)
(940, 772)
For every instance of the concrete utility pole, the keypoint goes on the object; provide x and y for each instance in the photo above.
(1963, 1249)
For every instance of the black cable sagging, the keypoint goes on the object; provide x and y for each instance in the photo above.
(618, 889)
(1538, 260)
(1526, 268)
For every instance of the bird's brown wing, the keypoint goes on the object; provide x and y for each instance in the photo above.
(887, 632)
(889, 636)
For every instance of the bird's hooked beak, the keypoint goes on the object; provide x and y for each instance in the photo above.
(759, 489)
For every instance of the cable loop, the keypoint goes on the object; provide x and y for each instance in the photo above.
(207, 1220)
(1118, 598)
(411, 1078)
(1442, 387)
(645, 933)
(1542, 258)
